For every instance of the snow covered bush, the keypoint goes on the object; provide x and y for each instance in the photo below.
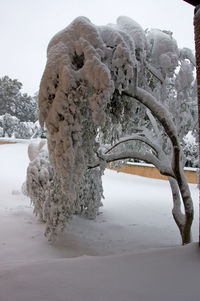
(102, 94)
(51, 204)
(38, 176)
(9, 125)
(190, 147)
(12, 127)
(24, 130)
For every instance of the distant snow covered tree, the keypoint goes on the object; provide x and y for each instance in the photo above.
(15, 103)
(9, 124)
(18, 111)
(26, 108)
(9, 92)
(101, 99)
(190, 147)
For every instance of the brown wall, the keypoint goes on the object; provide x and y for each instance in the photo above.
(6, 142)
(152, 172)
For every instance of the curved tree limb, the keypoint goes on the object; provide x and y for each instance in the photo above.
(161, 165)
(163, 116)
(133, 138)
(147, 157)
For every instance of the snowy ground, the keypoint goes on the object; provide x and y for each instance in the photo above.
(130, 252)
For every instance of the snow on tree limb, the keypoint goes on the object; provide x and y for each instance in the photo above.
(147, 157)
(141, 138)
(158, 110)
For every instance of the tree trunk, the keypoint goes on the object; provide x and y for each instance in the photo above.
(179, 217)
(187, 202)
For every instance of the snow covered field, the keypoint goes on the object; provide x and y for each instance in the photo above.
(130, 252)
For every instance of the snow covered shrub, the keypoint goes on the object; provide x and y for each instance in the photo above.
(51, 205)
(24, 130)
(10, 123)
(45, 192)
(38, 176)
(11, 126)
(190, 148)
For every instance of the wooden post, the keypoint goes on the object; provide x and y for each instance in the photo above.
(197, 50)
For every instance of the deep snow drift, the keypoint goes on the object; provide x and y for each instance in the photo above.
(133, 246)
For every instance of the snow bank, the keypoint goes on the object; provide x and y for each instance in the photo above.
(132, 223)
(170, 274)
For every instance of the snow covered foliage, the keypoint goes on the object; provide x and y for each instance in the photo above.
(38, 175)
(15, 103)
(190, 147)
(80, 78)
(164, 51)
(11, 126)
(18, 111)
(51, 204)
(101, 85)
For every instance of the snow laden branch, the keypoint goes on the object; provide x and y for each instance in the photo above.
(157, 157)
(163, 116)
(133, 138)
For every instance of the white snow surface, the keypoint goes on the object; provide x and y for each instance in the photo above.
(130, 252)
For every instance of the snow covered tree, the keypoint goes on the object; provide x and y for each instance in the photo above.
(26, 108)
(18, 111)
(190, 148)
(15, 103)
(9, 92)
(9, 124)
(96, 82)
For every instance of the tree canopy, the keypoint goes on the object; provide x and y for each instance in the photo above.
(105, 96)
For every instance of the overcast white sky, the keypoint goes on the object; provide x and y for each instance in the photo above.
(26, 26)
